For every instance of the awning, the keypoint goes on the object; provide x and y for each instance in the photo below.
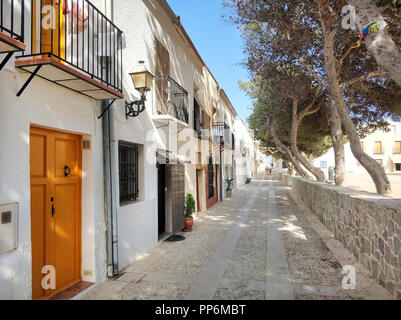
(396, 158)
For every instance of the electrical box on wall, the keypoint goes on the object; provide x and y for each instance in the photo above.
(8, 227)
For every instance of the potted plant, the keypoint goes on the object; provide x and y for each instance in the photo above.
(229, 187)
(248, 180)
(189, 211)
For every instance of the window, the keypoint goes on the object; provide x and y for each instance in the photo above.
(378, 147)
(379, 161)
(284, 165)
(210, 178)
(162, 68)
(398, 167)
(323, 164)
(397, 147)
(197, 116)
(128, 171)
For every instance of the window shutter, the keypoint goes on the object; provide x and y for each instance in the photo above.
(162, 63)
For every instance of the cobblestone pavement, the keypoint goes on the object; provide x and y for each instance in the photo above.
(261, 244)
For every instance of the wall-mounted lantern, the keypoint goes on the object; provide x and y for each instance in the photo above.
(142, 80)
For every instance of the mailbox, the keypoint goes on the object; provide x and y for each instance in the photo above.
(8, 227)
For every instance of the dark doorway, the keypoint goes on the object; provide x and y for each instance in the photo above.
(162, 198)
(211, 193)
(398, 167)
(210, 180)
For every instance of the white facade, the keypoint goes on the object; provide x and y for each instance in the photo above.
(47, 105)
(388, 156)
(244, 154)
(260, 159)
(225, 118)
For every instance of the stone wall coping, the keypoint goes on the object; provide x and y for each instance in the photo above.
(389, 203)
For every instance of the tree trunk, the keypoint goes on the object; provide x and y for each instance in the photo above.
(294, 145)
(288, 153)
(337, 139)
(380, 44)
(375, 170)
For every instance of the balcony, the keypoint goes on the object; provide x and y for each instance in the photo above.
(171, 102)
(222, 134)
(11, 28)
(76, 47)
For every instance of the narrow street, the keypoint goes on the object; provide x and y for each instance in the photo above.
(259, 245)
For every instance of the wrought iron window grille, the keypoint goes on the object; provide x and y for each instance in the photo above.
(128, 172)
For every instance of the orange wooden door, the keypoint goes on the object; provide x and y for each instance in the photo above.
(55, 160)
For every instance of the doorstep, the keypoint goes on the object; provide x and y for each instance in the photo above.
(71, 292)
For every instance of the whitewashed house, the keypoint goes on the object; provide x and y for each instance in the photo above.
(51, 164)
(383, 146)
(92, 175)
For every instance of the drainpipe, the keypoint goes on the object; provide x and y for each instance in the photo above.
(109, 162)
(109, 191)
(221, 159)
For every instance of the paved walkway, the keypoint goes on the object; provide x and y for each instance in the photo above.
(261, 244)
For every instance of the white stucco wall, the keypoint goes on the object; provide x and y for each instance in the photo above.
(47, 105)
(244, 166)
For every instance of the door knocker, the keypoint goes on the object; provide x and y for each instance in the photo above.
(67, 171)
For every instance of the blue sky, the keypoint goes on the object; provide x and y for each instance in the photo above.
(219, 45)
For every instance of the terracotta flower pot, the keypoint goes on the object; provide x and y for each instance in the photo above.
(228, 194)
(189, 222)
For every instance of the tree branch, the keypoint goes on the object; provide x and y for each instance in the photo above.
(379, 73)
(309, 68)
(307, 111)
(341, 60)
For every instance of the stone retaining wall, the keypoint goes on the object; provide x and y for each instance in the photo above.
(368, 225)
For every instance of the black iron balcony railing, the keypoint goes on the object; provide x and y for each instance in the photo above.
(171, 99)
(222, 134)
(76, 37)
(12, 18)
